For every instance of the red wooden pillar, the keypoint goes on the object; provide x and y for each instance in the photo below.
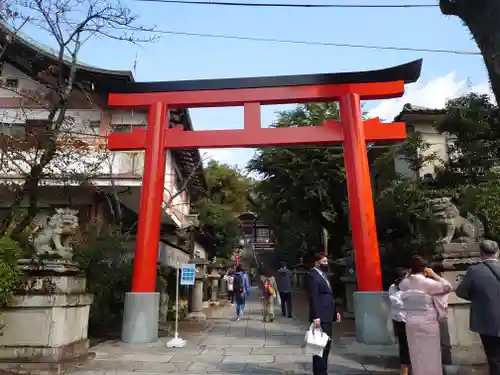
(148, 233)
(362, 213)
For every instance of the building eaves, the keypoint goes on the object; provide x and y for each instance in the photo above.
(38, 49)
(38, 57)
(409, 108)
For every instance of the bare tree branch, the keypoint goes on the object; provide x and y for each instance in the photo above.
(185, 185)
(57, 153)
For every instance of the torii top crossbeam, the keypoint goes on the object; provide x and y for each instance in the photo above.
(256, 91)
(251, 93)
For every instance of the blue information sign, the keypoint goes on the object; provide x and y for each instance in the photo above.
(188, 273)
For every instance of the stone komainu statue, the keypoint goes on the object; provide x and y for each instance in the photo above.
(455, 228)
(52, 235)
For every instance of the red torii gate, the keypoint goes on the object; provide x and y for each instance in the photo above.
(251, 93)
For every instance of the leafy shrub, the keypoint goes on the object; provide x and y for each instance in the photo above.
(10, 274)
(108, 268)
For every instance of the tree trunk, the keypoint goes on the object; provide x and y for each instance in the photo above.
(482, 18)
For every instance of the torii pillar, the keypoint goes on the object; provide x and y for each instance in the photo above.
(371, 303)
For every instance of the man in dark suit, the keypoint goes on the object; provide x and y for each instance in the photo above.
(322, 309)
(481, 286)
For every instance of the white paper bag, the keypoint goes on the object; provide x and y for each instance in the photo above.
(315, 341)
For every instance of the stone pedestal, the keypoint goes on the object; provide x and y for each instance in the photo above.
(46, 325)
(196, 308)
(215, 280)
(299, 274)
(465, 346)
(214, 298)
(301, 277)
(140, 318)
(222, 288)
(351, 287)
(373, 321)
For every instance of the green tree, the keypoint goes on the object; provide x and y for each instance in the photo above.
(481, 17)
(226, 197)
(483, 200)
(221, 224)
(227, 186)
(302, 189)
(404, 223)
(473, 125)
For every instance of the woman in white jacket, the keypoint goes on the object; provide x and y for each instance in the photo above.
(399, 321)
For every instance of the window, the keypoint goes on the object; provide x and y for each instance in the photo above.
(95, 125)
(12, 129)
(121, 128)
(11, 83)
(262, 235)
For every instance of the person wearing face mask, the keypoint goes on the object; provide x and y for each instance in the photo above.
(322, 309)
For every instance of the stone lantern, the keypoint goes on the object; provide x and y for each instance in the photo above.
(349, 279)
(299, 274)
(222, 282)
(214, 276)
(196, 312)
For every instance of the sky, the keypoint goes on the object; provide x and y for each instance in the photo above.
(177, 57)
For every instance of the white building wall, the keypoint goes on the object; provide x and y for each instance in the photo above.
(438, 144)
(25, 82)
(89, 125)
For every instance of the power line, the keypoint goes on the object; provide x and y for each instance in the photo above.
(315, 43)
(278, 5)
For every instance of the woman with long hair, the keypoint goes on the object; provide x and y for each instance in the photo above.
(421, 289)
(399, 320)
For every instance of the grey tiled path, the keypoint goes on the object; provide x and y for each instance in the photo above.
(248, 346)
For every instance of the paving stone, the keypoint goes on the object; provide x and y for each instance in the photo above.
(293, 358)
(182, 358)
(240, 358)
(145, 357)
(277, 350)
(129, 366)
(227, 347)
(224, 368)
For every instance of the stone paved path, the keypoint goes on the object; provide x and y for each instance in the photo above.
(248, 346)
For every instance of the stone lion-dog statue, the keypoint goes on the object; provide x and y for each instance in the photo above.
(52, 235)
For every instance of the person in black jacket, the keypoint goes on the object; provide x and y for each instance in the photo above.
(481, 286)
(322, 309)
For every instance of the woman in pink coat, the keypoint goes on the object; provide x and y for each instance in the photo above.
(424, 296)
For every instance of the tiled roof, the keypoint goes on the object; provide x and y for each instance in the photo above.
(409, 108)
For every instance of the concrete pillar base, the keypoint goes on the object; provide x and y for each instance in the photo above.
(451, 370)
(373, 321)
(140, 318)
(196, 316)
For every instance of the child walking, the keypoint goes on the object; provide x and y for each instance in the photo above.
(268, 296)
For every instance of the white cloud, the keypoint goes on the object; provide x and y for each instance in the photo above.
(432, 94)
(235, 157)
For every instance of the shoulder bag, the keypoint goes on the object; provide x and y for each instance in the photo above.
(492, 271)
